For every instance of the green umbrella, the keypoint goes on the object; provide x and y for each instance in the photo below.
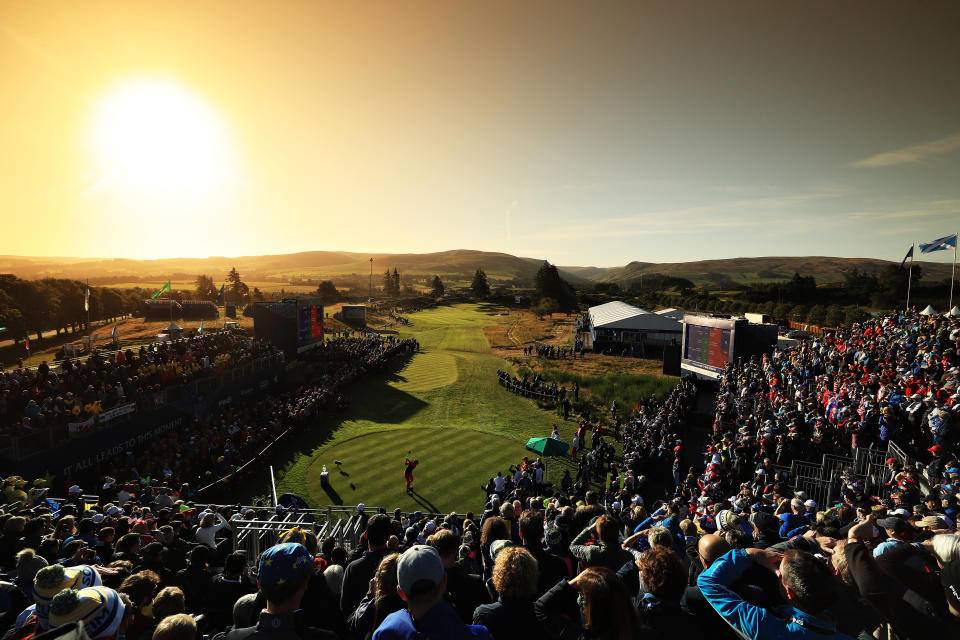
(547, 446)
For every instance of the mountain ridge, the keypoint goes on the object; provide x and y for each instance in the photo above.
(455, 264)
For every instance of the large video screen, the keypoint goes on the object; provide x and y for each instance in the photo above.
(309, 323)
(708, 345)
(708, 342)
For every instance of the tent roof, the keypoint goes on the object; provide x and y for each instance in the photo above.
(955, 311)
(620, 315)
(929, 311)
(174, 327)
(675, 314)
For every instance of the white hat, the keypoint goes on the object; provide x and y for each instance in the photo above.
(75, 489)
(810, 503)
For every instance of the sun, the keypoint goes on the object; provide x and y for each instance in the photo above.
(152, 137)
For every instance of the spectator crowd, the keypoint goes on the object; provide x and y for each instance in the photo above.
(35, 399)
(636, 546)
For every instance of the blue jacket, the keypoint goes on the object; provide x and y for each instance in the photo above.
(783, 622)
(440, 623)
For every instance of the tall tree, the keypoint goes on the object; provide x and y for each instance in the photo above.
(205, 289)
(328, 291)
(388, 284)
(480, 288)
(549, 284)
(396, 282)
(237, 287)
(438, 289)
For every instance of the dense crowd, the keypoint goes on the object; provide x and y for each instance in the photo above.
(34, 399)
(634, 547)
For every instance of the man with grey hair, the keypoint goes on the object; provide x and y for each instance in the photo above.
(795, 522)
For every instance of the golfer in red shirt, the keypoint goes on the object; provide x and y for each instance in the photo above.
(408, 471)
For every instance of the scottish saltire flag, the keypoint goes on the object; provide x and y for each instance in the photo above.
(113, 332)
(909, 255)
(940, 244)
(200, 330)
(86, 300)
(220, 295)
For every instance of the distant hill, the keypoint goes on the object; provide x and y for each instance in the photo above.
(313, 265)
(731, 271)
(454, 266)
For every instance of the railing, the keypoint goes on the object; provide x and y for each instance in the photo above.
(867, 467)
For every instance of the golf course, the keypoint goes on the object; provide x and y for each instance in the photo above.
(442, 405)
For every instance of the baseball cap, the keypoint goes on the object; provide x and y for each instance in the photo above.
(810, 503)
(933, 522)
(891, 461)
(419, 564)
(896, 524)
(283, 562)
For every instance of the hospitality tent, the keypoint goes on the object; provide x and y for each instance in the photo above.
(929, 311)
(618, 327)
(955, 312)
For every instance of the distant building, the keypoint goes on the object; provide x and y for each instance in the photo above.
(618, 326)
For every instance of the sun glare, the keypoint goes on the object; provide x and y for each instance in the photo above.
(153, 137)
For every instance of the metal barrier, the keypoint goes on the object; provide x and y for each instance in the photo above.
(867, 458)
(817, 489)
(834, 465)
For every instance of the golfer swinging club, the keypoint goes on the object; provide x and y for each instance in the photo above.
(408, 471)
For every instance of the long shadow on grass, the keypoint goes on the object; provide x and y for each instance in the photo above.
(423, 502)
(371, 398)
(333, 495)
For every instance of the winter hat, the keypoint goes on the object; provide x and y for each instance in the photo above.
(552, 537)
(51, 580)
(99, 608)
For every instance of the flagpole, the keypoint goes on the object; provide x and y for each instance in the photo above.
(953, 269)
(86, 301)
(910, 276)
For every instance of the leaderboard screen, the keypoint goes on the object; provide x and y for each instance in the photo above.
(707, 345)
(309, 322)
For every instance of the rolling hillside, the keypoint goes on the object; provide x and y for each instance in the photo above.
(721, 273)
(456, 266)
(312, 265)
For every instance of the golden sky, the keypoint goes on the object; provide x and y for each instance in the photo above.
(585, 133)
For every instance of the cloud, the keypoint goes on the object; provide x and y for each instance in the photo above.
(912, 154)
(728, 214)
(932, 209)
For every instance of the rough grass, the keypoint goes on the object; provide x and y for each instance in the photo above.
(627, 389)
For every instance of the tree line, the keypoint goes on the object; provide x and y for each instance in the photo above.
(30, 307)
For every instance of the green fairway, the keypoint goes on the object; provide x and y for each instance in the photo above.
(444, 404)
